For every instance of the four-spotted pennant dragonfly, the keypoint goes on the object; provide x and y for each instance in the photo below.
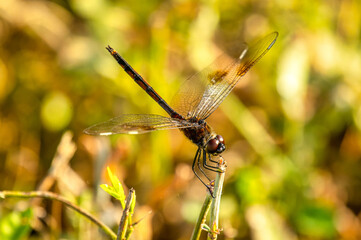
(196, 100)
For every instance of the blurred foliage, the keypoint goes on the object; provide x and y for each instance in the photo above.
(15, 225)
(292, 126)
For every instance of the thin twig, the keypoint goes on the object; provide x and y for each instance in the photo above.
(123, 225)
(202, 217)
(60, 163)
(53, 196)
(218, 186)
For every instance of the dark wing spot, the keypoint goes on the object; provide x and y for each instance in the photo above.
(135, 127)
(242, 70)
(217, 76)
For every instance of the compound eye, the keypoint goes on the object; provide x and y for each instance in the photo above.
(220, 139)
(212, 145)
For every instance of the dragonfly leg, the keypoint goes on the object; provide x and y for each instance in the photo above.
(196, 160)
(210, 167)
(211, 160)
(199, 165)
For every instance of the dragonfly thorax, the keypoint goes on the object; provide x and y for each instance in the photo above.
(203, 136)
(199, 134)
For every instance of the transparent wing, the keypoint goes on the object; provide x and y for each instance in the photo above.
(202, 93)
(136, 124)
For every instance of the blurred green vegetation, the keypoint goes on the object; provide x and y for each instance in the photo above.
(292, 126)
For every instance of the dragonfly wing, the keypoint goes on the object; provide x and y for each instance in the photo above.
(136, 124)
(205, 91)
(196, 89)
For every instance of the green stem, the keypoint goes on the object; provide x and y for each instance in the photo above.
(124, 222)
(202, 217)
(129, 232)
(53, 196)
(218, 186)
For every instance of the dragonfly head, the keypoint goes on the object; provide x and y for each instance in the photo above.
(216, 145)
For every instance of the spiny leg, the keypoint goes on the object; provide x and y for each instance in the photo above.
(213, 161)
(207, 166)
(197, 159)
(199, 165)
(216, 167)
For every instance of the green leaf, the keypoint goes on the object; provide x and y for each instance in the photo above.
(116, 190)
(110, 190)
(114, 180)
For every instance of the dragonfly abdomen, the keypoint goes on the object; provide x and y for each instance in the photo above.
(143, 84)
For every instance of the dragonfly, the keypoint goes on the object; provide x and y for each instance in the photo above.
(198, 97)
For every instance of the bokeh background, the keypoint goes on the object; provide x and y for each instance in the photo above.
(292, 126)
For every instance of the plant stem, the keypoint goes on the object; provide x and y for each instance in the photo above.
(123, 225)
(202, 217)
(53, 196)
(218, 186)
